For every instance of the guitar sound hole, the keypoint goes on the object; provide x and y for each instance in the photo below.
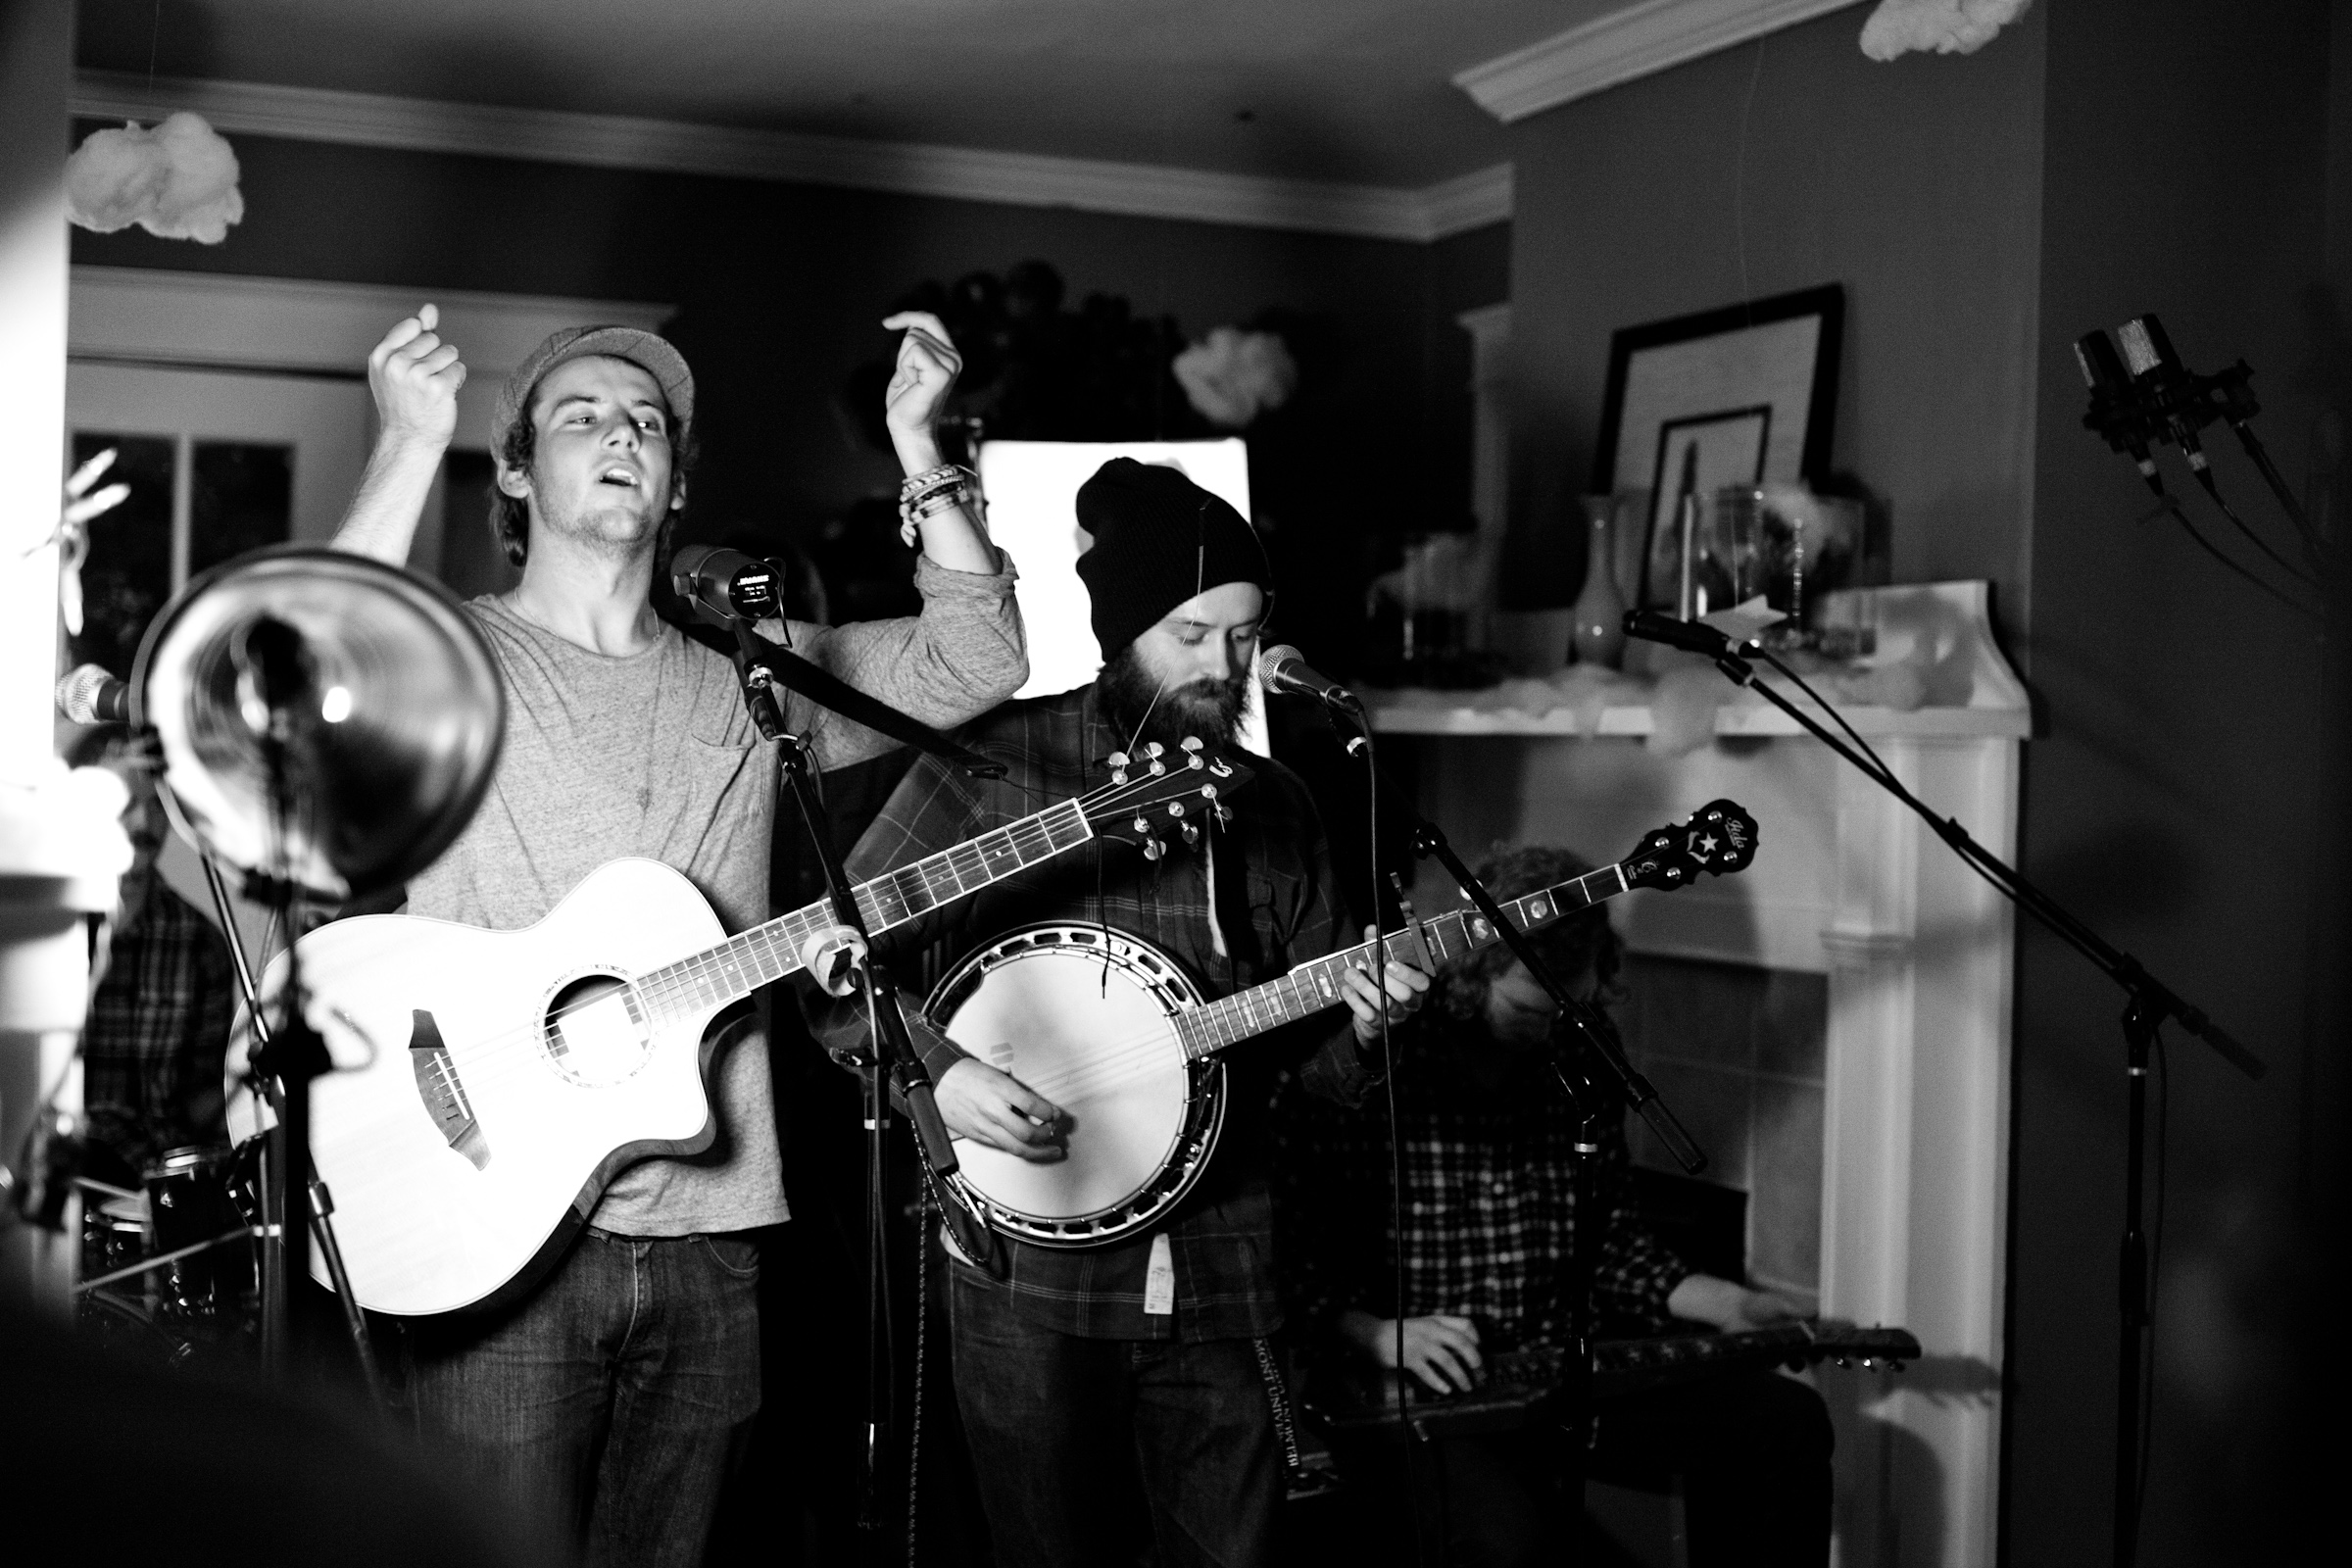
(594, 1032)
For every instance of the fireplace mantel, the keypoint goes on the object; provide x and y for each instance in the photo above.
(1918, 953)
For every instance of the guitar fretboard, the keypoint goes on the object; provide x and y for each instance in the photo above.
(1314, 986)
(740, 964)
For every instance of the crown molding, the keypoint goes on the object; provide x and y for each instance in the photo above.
(220, 320)
(1623, 46)
(909, 168)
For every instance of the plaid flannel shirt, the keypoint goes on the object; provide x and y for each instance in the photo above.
(158, 1030)
(1490, 1211)
(1280, 905)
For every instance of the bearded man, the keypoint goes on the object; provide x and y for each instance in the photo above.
(619, 1393)
(1079, 1383)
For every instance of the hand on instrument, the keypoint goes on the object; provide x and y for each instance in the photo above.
(1440, 1352)
(1730, 1306)
(981, 1104)
(414, 377)
(1401, 992)
(926, 373)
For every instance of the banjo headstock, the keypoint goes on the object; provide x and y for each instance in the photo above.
(1718, 838)
(1157, 791)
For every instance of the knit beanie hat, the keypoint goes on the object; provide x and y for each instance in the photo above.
(1160, 539)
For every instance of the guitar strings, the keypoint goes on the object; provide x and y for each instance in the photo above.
(494, 1060)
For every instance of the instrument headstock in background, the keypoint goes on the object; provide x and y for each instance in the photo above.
(1157, 791)
(1719, 838)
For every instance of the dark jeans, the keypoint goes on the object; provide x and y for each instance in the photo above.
(1087, 1450)
(616, 1399)
(1752, 1451)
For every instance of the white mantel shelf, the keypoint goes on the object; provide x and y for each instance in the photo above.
(1426, 712)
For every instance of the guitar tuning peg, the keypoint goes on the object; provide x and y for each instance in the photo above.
(1142, 824)
(1191, 743)
(1118, 758)
(1191, 832)
(1222, 812)
(1175, 808)
(1155, 749)
(1154, 849)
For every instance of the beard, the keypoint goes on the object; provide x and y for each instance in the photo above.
(617, 528)
(1140, 710)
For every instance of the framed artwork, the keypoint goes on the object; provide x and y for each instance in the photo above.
(1742, 395)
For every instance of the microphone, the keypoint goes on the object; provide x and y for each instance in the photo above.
(727, 584)
(2156, 367)
(1284, 668)
(1691, 636)
(91, 695)
(2111, 397)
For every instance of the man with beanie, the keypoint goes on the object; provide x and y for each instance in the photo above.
(1081, 1387)
(616, 1395)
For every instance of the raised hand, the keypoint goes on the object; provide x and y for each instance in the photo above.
(925, 374)
(415, 377)
(989, 1107)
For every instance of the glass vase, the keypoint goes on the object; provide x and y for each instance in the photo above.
(1598, 637)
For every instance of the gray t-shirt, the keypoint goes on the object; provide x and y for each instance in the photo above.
(652, 755)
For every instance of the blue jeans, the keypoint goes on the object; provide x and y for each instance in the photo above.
(614, 1401)
(1065, 1433)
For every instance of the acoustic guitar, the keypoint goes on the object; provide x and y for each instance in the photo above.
(491, 1084)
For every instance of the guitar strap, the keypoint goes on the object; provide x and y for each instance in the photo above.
(1228, 926)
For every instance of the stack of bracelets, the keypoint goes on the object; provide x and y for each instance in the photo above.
(933, 491)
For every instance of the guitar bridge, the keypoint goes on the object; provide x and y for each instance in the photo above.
(443, 1095)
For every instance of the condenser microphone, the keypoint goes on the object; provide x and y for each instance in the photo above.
(91, 695)
(1691, 636)
(2157, 370)
(2113, 413)
(727, 584)
(1284, 668)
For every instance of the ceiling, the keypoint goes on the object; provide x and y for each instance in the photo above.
(1349, 90)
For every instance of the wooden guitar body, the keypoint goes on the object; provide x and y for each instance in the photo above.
(490, 1084)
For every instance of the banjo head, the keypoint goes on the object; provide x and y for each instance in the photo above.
(1084, 1016)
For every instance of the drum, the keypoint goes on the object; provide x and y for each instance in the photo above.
(113, 1236)
(191, 1198)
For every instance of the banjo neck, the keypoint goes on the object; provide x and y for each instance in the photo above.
(1314, 986)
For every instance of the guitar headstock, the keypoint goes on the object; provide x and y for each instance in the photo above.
(1835, 1340)
(1160, 792)
(1718, 838)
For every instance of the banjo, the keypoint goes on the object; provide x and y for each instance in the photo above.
(1113, 1031)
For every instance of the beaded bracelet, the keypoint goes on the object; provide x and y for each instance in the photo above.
(915, 485)
(931, 502)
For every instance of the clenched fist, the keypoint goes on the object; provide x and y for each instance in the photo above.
(415, 377)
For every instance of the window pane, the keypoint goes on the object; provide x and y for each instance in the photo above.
(128, 576)
(243, 498)
(472, 560)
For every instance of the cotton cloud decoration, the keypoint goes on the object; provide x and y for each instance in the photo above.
(1945, 26)
(177, 180)
(1232, 376)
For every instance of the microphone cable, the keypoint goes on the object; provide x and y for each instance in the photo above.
(2171, 505)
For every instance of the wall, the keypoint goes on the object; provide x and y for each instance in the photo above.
(2098, 160)
(2173, 800)
(1780, 164)
(781, 289)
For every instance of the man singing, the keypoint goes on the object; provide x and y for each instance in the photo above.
(1077, 1379)
(619, 1392)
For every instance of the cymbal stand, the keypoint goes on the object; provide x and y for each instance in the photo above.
(280, 1066)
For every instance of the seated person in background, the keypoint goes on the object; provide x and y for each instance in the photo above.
(159, 1025)
(1483, 1135)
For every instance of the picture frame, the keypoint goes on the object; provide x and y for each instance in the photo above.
(1739, 395)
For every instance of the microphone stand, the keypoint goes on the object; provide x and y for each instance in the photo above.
(890, 1066)
(1592, 1098)
(2147, 1004)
